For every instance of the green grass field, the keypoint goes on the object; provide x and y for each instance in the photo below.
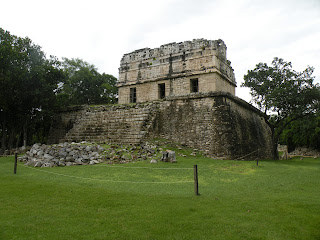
(276, 200)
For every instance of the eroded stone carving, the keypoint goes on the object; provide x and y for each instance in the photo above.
(175, 66)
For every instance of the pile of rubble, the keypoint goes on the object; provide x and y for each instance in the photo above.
(68, 154)
(64, 154)
(301, 151)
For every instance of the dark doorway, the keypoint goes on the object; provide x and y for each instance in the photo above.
(133, 95)
(162, 90)
(194, 85)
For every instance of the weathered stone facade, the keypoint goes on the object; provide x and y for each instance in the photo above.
(220, 124)
(119, 124)
(175, 69)
(183, 92)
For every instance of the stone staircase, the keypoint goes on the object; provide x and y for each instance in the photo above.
(125, 125)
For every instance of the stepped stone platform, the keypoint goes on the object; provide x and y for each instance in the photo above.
(125, 124)
(218, 123)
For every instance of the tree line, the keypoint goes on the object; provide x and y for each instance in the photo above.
(32, 86)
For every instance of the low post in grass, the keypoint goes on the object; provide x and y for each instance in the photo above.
(15, 163)
(258, 156)
(196, 186)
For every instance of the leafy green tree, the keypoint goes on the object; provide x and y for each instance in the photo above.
(285, 94)
(110, 90)
(28, 82)
(304, 132)
(85, 85)
(32, 86)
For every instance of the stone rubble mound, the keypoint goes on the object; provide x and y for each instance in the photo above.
(63, 154)
(302, 151)
(131, 153)
(68, 154)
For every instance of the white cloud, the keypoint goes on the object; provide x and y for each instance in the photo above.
(100, 32)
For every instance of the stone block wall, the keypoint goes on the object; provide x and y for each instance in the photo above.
(175, 64)
(208, 82)
(218, 123)
(63, 122)
(120, 124)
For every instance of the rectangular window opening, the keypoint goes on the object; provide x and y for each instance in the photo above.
(162, 90)
(133, 95)
(194, 85)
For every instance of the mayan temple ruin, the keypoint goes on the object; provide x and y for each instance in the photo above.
(183, 92)
(175, 69)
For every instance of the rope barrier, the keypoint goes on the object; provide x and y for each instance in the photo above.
(103, 180)
(111, 166)
(248, 154)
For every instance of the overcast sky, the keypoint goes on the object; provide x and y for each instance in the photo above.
(101, 31)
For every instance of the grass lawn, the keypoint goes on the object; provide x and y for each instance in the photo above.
(276, 200)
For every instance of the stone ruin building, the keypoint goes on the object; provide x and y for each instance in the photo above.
(183, 92)
(175, 69)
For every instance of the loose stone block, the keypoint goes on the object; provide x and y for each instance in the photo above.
(169, 156)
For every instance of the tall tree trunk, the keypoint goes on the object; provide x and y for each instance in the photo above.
(275, 150)
(11, 139)
(25, 134)
(3, 140)
(18, 139)
(4, 136)
(275, 140)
